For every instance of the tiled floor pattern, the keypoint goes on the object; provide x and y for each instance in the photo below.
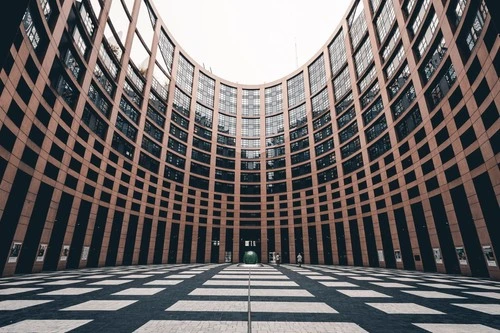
(214, 298)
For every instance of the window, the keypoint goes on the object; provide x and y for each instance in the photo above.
(227, 99)
(274, 125)
(349, 132)
(342, 84)
(404, 101)
(326, 161)
(376, 129)
(203, 116)
(324, 147)
(320, 103)
(182, 102)
(273, 100)
(350, 148)
(185, 74)
(323, 133)
(363, 57)
(424, 41)
(317, 75)
(408, 123)
(321, 121)
(353, 164)
(251, 103)
(337, 53)
(206, 90)
(391, 44)
(298, 116)
(250, 127)
(385, 20)
(296, 92)
(346, 117)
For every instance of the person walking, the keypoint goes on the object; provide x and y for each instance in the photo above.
(277, 258)
(299, 259)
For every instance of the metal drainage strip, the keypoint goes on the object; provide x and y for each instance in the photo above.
(249, 322)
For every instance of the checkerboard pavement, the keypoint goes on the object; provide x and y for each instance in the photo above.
(214, 298)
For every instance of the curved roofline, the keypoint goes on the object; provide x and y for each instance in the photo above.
(266, 84)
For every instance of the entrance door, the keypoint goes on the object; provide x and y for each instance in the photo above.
(250, 241)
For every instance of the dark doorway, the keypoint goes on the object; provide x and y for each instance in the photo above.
(250, 241)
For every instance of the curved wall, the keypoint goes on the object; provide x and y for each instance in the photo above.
(380, 151)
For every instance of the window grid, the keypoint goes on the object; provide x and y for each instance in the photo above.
(363, 57)
(337, 53)
(185, 72)
(206, 90)
(273, 100)
(393, 41)
(227, 99)
(274, 125)
(167, 50)
(182, 102)
(250, 127)
(317, 75)
(298, 116)
(296, 92)
(385, 20)
(203, 116)
(251, 103)
(320, 103)
(342, 84)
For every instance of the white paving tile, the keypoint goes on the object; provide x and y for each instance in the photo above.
(163, 282)
(63, 276)
(256, 306)
(432, 294)
(256, 283)
(253, 277)
(440, 280)
(21, 283)
(441, 286)
(321, 277)
(44, 325)
(457, 328)
(61, 282)
(179, 276)
(492, 309)
(11, 305)
(392, 285)
(100, 305)
(364, 278)
(361, 293)
(110, 282)
(181, 326)
(403, 308)
(136, 276)
(488, 294)
(70, 291)
(13, 291)
(253, 292)
(97, 276)
(138, 292)
(339, 284)
(482, 286)
(405, 279)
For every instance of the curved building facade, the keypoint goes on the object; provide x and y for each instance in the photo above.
(117, 148)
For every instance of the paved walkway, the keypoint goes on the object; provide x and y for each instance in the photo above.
(214, 298)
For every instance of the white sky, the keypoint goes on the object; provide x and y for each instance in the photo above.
(251, 42)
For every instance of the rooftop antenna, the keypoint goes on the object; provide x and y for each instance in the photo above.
(296, 56)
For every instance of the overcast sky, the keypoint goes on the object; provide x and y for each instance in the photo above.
(251, 42)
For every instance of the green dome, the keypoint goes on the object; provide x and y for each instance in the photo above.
(250, 257)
